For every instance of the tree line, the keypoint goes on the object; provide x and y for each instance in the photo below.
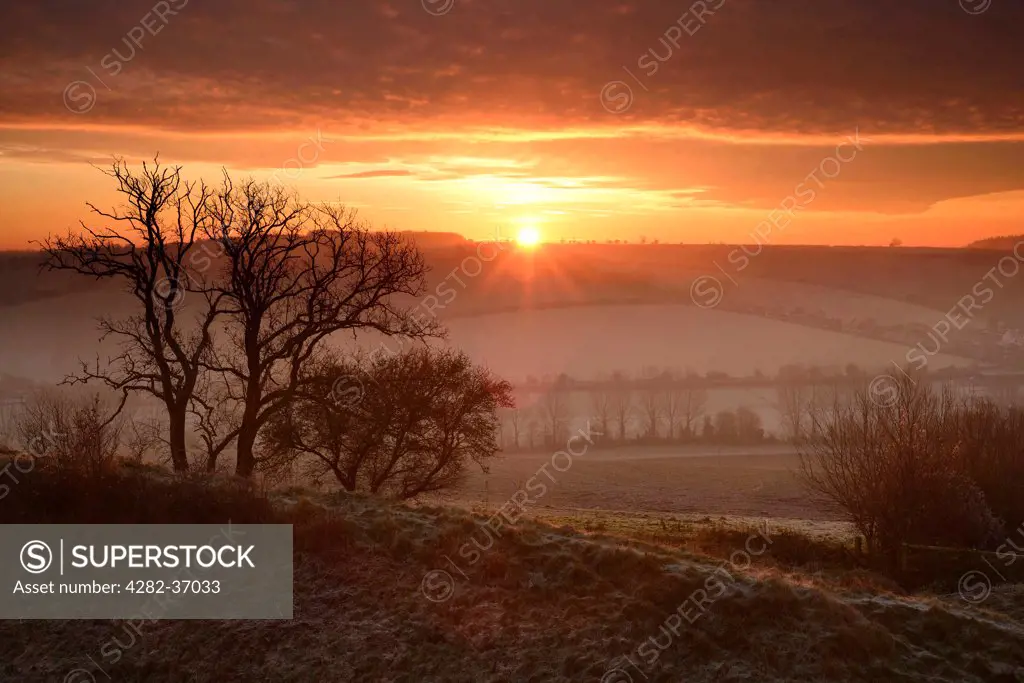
(670, 409)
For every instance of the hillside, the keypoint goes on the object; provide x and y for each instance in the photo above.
(376, 598)
(1001, 243)
(828, 306)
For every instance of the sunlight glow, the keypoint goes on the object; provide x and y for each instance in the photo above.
(528, 237)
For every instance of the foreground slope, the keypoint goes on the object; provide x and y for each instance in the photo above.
(396, 593)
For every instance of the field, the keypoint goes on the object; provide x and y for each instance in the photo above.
(629, 485)
(584, 342)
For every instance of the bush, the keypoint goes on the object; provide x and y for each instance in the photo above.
(398, 426)
(990, 450)
(75, 432)
(891, 459)
(127, 494)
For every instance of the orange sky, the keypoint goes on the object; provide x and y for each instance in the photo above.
(841, 123)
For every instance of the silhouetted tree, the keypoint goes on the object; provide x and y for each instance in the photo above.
(294, 275)
(423, 416)
(153, 247)
(675, 397)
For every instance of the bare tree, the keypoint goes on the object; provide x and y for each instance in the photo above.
(675, 396)
(423, 417)
(652, 401)
(693, 404)
(802, 392)
(535, 430)
(142, 439)
(294, 275)
(216, 417)
(149, 245)
(601, 401)
(516, 422)
(887, 459)
(651, 404)
(621, 403)
(555, 404)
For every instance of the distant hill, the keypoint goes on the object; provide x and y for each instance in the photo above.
(1002, 243)
(799, 302)
(426, 239)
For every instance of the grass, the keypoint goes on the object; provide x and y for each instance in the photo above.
(542, 602)
(682, 483)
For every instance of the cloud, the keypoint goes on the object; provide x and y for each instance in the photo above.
(792, 66)
(503, 99)
(383, 173)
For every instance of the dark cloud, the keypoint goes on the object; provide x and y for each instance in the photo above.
(798, 66)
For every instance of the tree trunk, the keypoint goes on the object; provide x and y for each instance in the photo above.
(179, 452)
(246, 462)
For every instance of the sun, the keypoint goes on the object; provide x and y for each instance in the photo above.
(528, 237)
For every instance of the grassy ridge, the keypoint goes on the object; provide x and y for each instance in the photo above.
(535, 602)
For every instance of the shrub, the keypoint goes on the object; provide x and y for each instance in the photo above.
(891, 460)
(75, 432)
(123, 494)
(398, 426)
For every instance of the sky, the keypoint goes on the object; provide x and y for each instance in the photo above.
(830, 121)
